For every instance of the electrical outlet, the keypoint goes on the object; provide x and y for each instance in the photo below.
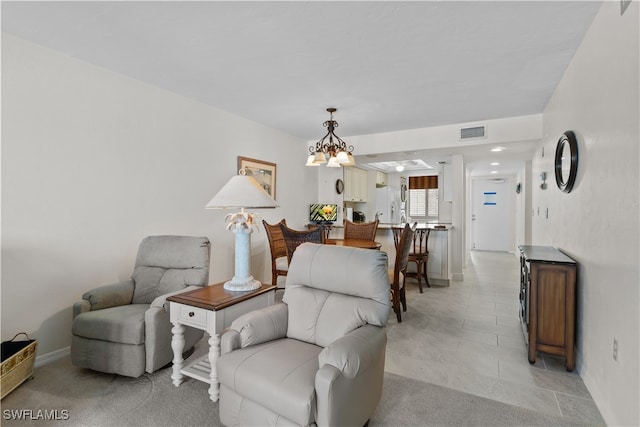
(615, 350)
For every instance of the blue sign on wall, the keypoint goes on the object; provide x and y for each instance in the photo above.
(489, 198)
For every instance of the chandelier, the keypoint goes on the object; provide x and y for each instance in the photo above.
(331, 146)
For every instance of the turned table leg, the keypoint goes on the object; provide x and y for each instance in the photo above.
(177, 344)
(214, 354)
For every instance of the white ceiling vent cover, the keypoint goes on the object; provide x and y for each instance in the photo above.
(473, 132)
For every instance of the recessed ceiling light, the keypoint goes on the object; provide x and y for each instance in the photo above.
(497, 149)
(494, 171)
(400, 168)
(495, 163)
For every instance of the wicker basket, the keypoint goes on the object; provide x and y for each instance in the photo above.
(18, 358)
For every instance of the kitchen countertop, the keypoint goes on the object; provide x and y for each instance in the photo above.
(437, 226)
(434, 226)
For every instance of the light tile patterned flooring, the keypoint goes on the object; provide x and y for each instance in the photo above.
(468, 337)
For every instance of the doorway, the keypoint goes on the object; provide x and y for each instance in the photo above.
(493, 215)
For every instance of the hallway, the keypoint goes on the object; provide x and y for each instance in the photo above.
(468, 337)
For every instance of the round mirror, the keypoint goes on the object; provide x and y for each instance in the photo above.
(566, 161)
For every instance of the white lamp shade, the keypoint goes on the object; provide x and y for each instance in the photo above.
(319, 158)
(241, 192)
(343, 157)
(351, 160)
(311, 160)
(333, 163)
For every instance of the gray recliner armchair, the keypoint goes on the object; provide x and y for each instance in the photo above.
(317, 358)
(124, 328)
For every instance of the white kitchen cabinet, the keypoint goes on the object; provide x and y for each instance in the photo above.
(439, 245)
(355, 185)
(381, 179)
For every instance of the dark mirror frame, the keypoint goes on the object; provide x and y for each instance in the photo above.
(568, 138)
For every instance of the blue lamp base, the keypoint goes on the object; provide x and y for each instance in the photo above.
(242, 280)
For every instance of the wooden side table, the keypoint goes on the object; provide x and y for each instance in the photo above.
(211, 309)
(547, 302)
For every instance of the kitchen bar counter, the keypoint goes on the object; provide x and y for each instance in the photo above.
(439, 246)
(389, 225)
(433, 226)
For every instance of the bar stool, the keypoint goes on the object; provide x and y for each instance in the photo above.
(419, 253)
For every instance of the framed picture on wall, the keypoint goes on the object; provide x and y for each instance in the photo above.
(261, 171)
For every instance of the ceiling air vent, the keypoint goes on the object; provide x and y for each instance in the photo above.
(473, 132)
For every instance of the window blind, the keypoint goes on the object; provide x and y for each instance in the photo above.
(417, 203)
(423, 182)
(423, 197)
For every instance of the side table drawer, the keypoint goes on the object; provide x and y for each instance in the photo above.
(193, 316)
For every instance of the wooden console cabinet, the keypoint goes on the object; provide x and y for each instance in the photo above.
(548, 302)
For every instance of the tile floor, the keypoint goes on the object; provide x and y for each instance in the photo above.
(468, 337)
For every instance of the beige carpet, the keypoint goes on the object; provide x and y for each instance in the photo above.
(89, 398)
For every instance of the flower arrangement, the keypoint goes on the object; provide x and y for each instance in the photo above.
(327, 212)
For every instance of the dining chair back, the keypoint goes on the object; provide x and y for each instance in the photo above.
(420, 255)
(398, 273)
(326, 229)
(278, 248)
(294, 238)
(364, 231)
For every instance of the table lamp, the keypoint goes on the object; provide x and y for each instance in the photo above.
(242, 192)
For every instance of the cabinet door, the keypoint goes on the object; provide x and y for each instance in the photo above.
(355, 185)
(361, 180)
(551, 283)
(349, 185)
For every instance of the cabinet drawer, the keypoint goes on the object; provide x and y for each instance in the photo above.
(192, 316)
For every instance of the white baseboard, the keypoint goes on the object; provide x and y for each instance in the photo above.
(52, 356)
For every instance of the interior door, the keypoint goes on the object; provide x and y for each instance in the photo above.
(493, 215)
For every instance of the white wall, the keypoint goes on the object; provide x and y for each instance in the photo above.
(93, 161)
(597, 224)
(510, 129)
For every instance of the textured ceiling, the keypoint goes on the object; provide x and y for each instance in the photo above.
(385, 65)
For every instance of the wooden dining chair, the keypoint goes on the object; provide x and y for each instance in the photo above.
(419, 253)
(294, 238)
(326, 229)
(364, 231)
(278, 248)
(398, 273)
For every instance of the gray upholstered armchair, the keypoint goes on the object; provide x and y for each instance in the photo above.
(317, 358)
(124, 328)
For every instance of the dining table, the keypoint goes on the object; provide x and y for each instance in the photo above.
(354, 243)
